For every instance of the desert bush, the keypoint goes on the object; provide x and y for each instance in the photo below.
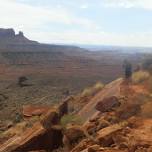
(66, 119)
(92, 90)
(21, 81)
(98, 86)
(86, 92)
(140, 76)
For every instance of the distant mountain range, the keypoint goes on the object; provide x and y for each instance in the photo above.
(11, 42)
(123, 49)
(25, 56)
(17, 49)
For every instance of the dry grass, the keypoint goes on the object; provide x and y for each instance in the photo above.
(16, 130)
(86, 92)
(92, 90)
(98, 86)
(140, 76)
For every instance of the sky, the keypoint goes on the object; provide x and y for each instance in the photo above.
(101, 22)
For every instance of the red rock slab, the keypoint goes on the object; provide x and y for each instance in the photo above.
(35, 138)
(34, 110)
(105, 135)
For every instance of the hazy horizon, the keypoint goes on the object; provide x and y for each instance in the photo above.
(106, 22)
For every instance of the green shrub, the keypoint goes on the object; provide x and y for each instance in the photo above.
(66, 119)
(140, 76)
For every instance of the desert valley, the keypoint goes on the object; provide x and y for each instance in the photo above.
(73, 98)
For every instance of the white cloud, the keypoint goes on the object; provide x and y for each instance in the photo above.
(144, 4)
(33, 19)
(84, 6)
(26, 17)
(72, 36)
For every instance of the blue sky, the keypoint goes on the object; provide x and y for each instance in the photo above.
(105, 22)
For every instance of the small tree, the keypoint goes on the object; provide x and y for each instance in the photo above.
(21, 81)
(128, 69)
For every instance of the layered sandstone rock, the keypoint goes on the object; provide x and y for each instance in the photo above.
(42, 136)
(34, 110)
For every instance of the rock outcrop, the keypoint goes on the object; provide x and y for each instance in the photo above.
(8, 36)
(7, 33)
(46, 135)
(113, 129)
(64, 107)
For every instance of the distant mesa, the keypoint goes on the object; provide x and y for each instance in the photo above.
(8, 36)
(18, 49)
(7, 33)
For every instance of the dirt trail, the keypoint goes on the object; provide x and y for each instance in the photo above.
(89, 111)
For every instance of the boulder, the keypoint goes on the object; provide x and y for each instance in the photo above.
(107, 104)
(74, 133)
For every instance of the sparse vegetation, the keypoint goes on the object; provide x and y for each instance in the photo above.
(15, 130)
(140, 76)
(92, 90)
(86, 92)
